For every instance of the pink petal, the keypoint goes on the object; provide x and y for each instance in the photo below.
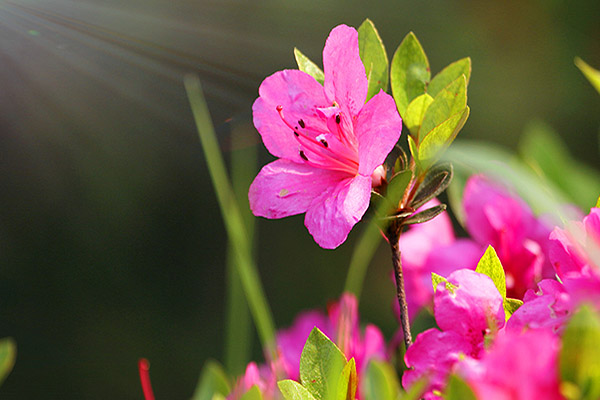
(345, 78)
(332, 215)
(377, 130)
(470, 308)
(283, 188)
(433, 354)
(299, 95)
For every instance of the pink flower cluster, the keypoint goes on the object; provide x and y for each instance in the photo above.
(340, 324)
(470, 316)
(493, 216)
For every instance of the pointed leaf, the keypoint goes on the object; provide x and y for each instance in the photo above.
(321, 364)
(8, 354)
(409, 72)
(397, 186)
(414, 149)
(490, 265)
(381, 382)
(415, 112)
(213, 380)
(348, 382)
(449, 101)
(374, 58)
(436, 181)
(306, 65)
(252, 394)
(510, 306)
(593, 75)
(425, 216)
(292, 390)
(458, 389)
(437, 279)
(450, 74)
(579, 357)
(440, 137)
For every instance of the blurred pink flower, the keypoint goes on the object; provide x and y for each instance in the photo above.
(495, 217)
(575, 256)
(432, 247)
(465, 315)
(516, 367)
(328, 141)
(340, 324)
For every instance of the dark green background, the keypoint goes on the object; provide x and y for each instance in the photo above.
(111, 242)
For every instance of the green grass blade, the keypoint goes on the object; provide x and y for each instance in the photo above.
(232, 217)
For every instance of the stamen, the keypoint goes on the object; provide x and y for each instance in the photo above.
(321, 138)
(301, 123)
(303, 156)
(338, 119)
(144, 367)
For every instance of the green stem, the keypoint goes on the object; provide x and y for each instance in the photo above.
(238, 328)
(232, 217)
(393, 235)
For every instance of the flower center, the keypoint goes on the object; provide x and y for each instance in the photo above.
(323, 149)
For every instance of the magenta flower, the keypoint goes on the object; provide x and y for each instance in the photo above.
(465, 315)
(328, 141)
(517, 367)
(495, 217)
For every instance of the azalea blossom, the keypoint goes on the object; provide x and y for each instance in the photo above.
(340, 324)
(465, 314)
(495, 217)
(516, 367)
(329, 143)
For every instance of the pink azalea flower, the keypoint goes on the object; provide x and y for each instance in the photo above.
(328, 141)
(547, 308)
(340, 324)
(517, 367)
(465, 315)
(575, 254)
(495, 217)
(432, 247)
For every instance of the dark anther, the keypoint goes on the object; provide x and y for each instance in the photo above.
(303, 156)
(324, 143)
(301, 123)
(296, 134)
(337, 119)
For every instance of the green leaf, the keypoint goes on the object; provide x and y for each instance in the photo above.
(458, 389)
(440, 137)
(511, 305)
(437, 279)
(416, 391)
(449, 75)
(348, 382)
(545, 152)
(374, 58)
(306, 65)
(252, 394)
(436, 181)
(579, 357)
(425, 215)
(598, 203)
(8, 354)
(321, 364)
(292, 390)
(213, 380)
(409, 72)
(414, 149)
(490, 265)
(397, 186)
(381, 382)
(593, 75)
(449, 101)
(415, 112)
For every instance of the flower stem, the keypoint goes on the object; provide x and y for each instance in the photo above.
(393, 235)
